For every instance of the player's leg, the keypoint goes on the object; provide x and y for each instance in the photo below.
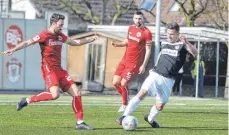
(127, 75)
(125, 94)
(133, 104)
(78, 108)
(52, 93)
(162, 97)
(117, 83)
(69, 86)
(117, 78)
(147, 87)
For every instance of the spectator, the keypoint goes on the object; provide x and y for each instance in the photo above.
(201, 77)
(178, 78)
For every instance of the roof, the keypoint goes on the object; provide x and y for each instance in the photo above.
(192, 33)
(94, 33)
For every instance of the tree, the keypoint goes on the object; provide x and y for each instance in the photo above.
(83, 12)
(192, 9)
(150, 12)
(84, 9)
(120, 11)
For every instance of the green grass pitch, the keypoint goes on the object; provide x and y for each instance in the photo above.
(181, 116)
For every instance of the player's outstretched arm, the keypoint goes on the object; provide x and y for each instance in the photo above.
(20, 46)
(80, 41)
(121, 44)
(190, 47)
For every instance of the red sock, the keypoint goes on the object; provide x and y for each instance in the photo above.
(77, 107)
(44, 96)
(118, 88)
(124, 95)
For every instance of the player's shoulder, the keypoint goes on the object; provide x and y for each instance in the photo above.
(132, 26)
(146, 29)
(62, 34)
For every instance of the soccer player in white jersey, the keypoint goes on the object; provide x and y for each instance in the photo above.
(161, 77)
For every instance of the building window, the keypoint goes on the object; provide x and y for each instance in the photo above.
(147, 5)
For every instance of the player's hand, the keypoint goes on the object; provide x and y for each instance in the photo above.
(8, 52)
(141, 70)
(183, 39)
(113, 44)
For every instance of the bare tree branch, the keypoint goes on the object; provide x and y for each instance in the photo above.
(84, 14)
(181, 4)
(189, 11)
(120, 12)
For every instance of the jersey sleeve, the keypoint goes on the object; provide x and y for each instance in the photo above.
(38, 38)
(148, 38)
(64, 37)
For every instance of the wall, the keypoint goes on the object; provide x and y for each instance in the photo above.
(114, 56)
(21, 71)
(75, 64)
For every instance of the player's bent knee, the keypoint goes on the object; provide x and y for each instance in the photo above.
(124, 84)
(142, 94)
(74, 91)
(55, 95)
(116, 83)
(160, 106)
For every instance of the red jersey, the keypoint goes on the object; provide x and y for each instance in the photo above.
(138, 38)
(51, 46)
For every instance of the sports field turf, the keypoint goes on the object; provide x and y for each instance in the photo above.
(181, 116)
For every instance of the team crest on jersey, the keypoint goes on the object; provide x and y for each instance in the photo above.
(13, 70)
(177, 47)
(139, 34)
(60, 38)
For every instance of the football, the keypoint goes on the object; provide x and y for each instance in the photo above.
(129, 123)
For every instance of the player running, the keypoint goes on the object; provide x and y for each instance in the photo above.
(55, 77)
(161, 78)
(138, 50)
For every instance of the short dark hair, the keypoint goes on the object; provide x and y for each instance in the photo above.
(138, 13)
(56, 17)
(173, 25)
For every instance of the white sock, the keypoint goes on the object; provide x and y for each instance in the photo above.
(79, 121)
(27, 99)
(133, 104)
(153, 114)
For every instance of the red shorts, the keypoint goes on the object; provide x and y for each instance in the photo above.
(127, 71)
(56, 77)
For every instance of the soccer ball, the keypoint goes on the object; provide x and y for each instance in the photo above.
(129, 123)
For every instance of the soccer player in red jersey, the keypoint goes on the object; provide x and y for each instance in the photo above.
(139, 40)
(51, 41)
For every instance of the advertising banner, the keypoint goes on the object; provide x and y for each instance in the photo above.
(13, 66)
